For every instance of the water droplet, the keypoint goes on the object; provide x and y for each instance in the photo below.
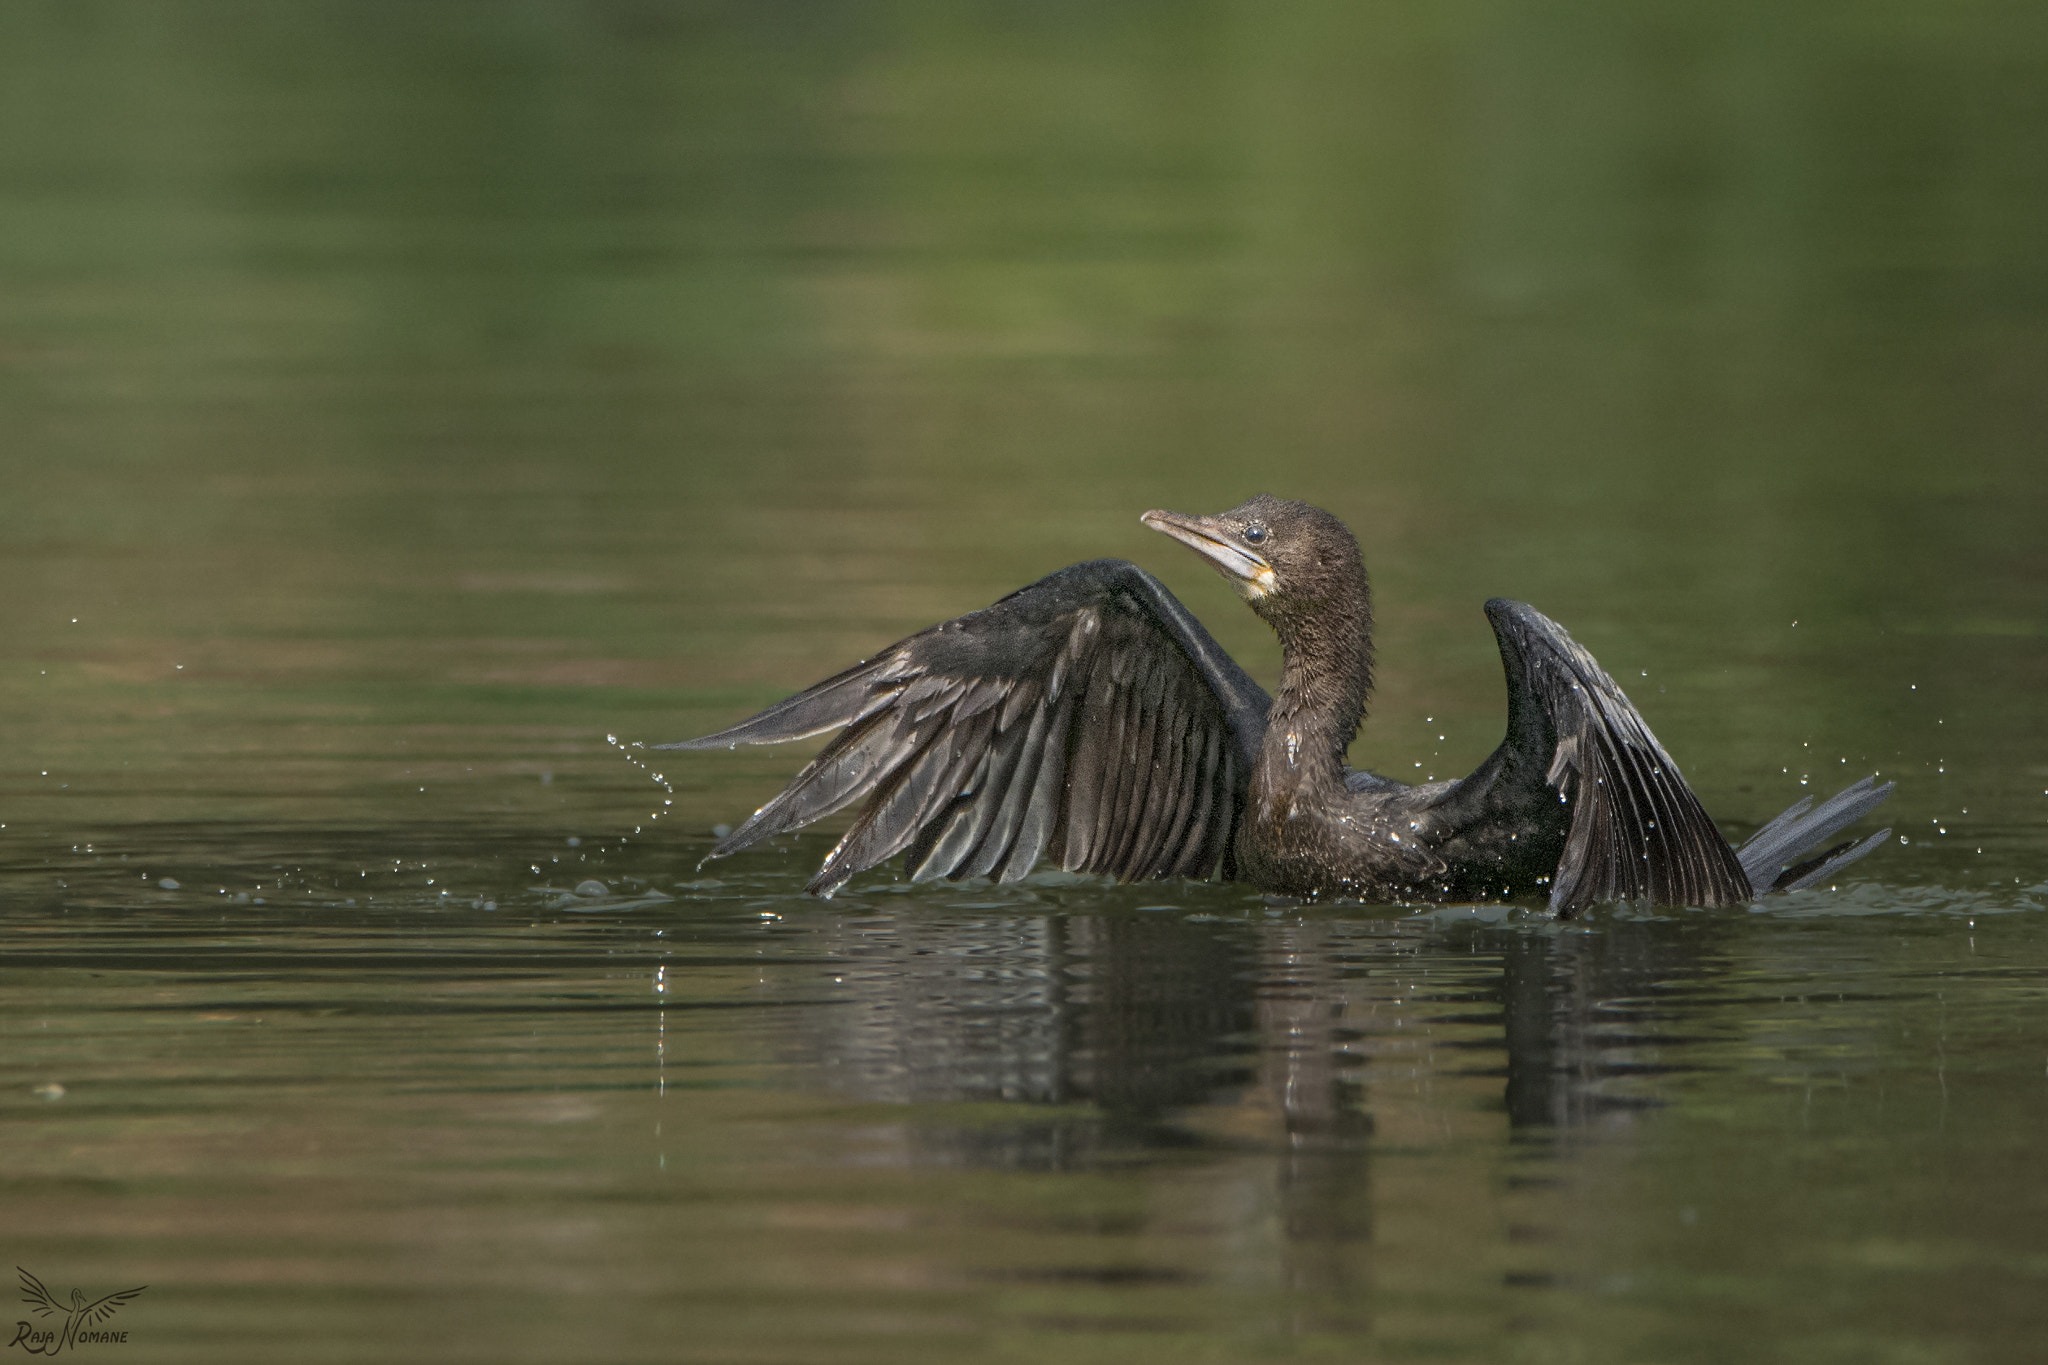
(169, 884)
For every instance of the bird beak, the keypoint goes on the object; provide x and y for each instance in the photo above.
(1248, 570)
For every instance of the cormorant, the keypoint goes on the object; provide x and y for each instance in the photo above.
(1090, 719)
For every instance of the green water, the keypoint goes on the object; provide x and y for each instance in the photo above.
(397, 400)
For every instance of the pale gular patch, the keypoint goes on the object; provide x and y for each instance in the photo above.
(1259, 585)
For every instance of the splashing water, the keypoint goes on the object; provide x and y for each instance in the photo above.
(626, 752)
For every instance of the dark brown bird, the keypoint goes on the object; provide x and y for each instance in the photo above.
(1090, 719)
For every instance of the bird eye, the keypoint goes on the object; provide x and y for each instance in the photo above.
(1254, 534)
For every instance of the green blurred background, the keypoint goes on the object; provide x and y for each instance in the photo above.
(474, 378)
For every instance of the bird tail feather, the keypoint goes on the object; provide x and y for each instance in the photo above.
(1765, 855)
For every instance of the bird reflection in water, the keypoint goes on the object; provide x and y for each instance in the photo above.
(1296, 1052)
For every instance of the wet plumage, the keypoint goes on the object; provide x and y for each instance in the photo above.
(1089, 719)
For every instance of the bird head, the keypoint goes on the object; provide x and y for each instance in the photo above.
(1287, 559)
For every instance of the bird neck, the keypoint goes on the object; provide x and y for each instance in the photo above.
(1326, 676)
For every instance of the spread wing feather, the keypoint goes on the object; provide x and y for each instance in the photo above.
(1636, 830)
(1087, 717)
(99, 1310)
(37, 1296)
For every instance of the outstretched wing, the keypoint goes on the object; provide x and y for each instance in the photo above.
(99, 1310)
(1635, 830)
(34, 1294)
(1087, 717)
